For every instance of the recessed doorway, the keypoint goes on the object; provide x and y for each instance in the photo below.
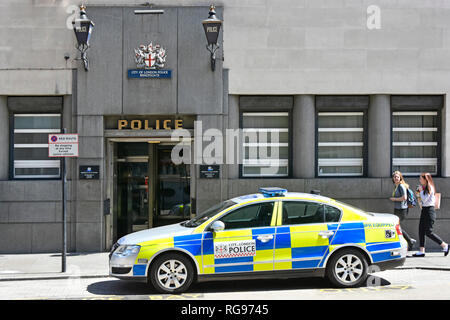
(148, 189)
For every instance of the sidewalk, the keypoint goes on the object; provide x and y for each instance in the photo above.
(49, 266)
(93, 265)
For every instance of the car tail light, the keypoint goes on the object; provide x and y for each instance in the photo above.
(399, 230)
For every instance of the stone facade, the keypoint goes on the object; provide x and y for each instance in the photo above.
(293, 50)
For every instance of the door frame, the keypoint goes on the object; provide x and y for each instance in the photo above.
(111, 177)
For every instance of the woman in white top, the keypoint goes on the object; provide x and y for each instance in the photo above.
(426, 191)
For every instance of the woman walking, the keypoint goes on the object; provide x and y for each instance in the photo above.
(427, 190)
(399, 196)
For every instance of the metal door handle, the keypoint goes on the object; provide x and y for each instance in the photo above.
(326, 234)
(265, 238)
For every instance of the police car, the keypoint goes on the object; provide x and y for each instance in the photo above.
(268, 234)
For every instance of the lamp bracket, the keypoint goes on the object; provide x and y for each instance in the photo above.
(83, 49)
(212, 48)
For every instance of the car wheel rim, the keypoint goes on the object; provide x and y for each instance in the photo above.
(172, 274)
(349, 268)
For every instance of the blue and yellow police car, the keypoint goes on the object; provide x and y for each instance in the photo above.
(268, 234)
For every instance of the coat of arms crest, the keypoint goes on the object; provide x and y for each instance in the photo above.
(150, 57)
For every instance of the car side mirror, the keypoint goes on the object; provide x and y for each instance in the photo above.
(217, 226)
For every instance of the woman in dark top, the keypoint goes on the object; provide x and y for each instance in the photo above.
(399, 196)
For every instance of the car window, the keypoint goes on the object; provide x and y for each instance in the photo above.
(204, 216)
(302, 212)
(332, 214)
(251, 216)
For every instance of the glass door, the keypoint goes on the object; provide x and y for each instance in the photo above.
(173, 189)
(132, 195)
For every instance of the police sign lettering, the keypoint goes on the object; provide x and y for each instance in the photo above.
(231, 249)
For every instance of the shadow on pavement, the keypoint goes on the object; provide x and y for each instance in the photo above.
(71, 254)
(122, 287)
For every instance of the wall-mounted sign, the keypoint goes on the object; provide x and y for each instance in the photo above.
(210, 171)
(166, 124)
(145, 74)
(63, 145)
(89, 172)
(149, 60)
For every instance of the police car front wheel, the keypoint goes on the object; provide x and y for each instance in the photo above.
(347, 268)
(171, 273)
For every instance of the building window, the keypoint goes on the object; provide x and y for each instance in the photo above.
(30, 146)
(415, 142)
(265, 144)
(341, 146)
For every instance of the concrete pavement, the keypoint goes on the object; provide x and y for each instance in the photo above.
(93, 265)
(49, 266)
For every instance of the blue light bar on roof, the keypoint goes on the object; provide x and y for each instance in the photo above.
(272, 192)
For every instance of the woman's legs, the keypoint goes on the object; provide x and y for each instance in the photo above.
(422, 231)
(427, 220)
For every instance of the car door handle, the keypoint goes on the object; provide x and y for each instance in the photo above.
(265, 238)
(326, 234)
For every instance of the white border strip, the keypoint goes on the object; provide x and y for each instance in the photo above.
(37, 130)
(415, 144)
(340, 114)
(415, 113)
(410, 129)
(341, 129)
(341, 144)
(31, 145)
(345, 162)
(414, 161)
(265, 114)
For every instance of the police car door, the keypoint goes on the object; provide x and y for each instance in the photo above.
(247, 242)
(302, 237)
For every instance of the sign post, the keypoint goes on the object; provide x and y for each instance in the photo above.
(62, 146)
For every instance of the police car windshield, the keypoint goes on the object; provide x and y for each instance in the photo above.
(195, 222)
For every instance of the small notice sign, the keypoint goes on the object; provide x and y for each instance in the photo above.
(63, 145)
(89, 172)
(209, 171)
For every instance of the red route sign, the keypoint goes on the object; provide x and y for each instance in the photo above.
(63, 145)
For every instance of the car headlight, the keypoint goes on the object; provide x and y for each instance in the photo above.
(127, 250)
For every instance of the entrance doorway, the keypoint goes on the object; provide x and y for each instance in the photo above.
(149, 189)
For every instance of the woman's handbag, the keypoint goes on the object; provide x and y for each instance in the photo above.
(437, 204)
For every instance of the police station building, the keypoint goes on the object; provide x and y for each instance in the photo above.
(344, 92)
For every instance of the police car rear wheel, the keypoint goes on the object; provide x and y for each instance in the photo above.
(348, 268)
(171, 273)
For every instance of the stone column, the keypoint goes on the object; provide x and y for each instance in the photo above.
(303, 137)
(445, 149)
(4, 139)
(233, 123)
(379, 136)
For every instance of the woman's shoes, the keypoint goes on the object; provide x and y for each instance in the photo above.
(446, 251)
(419, 254)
